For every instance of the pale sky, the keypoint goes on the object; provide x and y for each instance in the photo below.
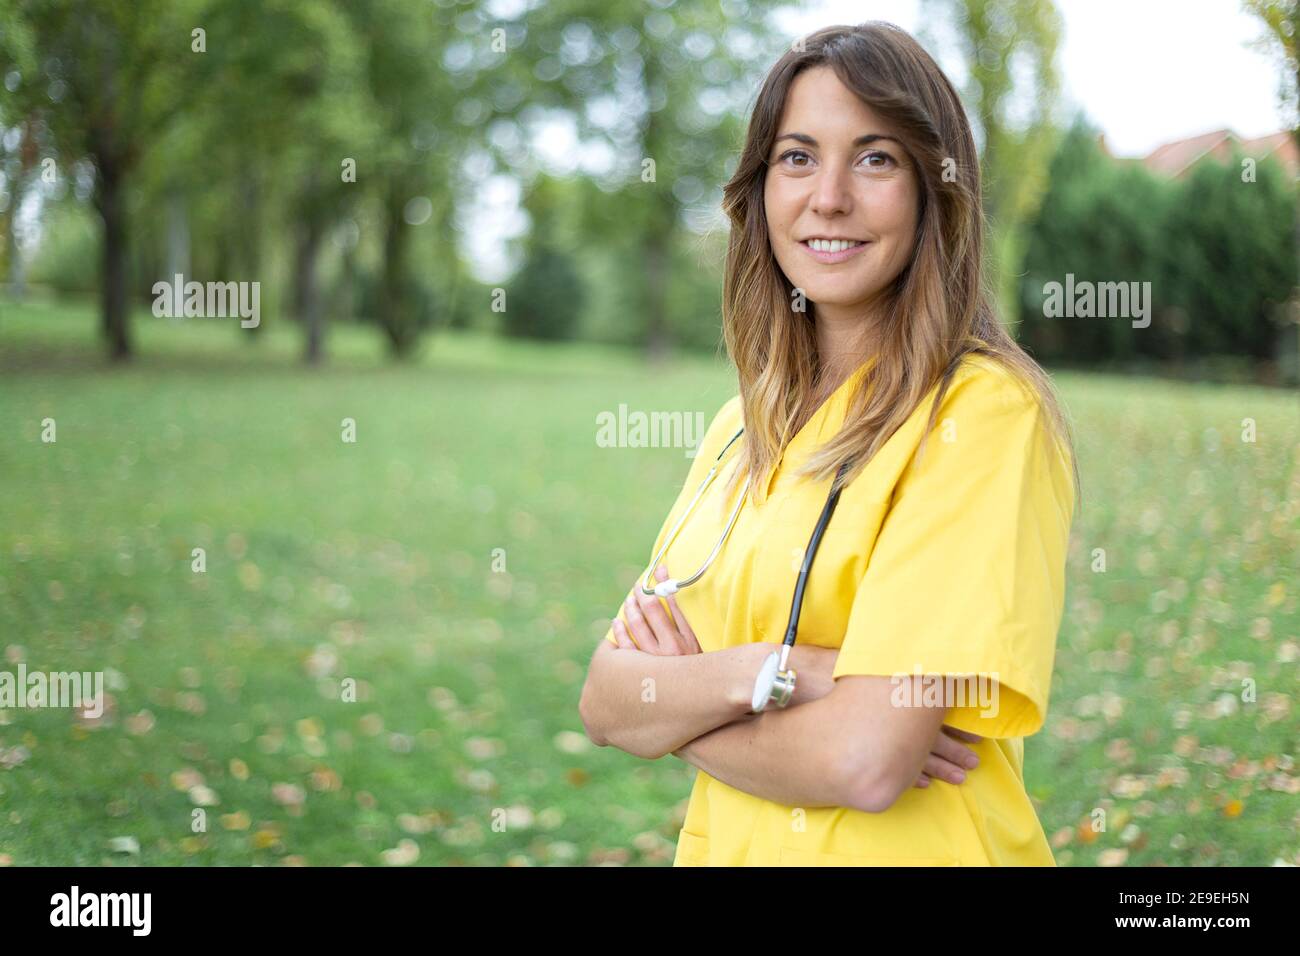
(1145, 71)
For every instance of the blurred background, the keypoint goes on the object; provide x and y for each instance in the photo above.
(343, 556)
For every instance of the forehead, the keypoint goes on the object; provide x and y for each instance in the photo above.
(821, 106)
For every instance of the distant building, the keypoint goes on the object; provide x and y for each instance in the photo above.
(1176, 158)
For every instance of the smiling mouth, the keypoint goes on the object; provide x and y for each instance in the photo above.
(831, 251)
(831, 245)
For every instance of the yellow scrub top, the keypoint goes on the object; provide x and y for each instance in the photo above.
(950, 564)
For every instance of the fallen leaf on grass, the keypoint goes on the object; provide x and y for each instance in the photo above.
(125, 844)
(186, 779)
(193, 844)
(572, 742)
(202, 796)
(406, 852)
(289, 795)
(140, 724)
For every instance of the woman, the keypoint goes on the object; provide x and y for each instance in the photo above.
(862, 338)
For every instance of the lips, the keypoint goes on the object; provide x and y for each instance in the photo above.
(830, 258)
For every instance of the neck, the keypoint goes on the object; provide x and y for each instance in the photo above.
(844, 342)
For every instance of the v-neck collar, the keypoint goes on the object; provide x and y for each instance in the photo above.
(821, 427)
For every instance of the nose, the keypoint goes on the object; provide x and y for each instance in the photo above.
(831, 190)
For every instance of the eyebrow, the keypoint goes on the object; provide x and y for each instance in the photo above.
(860, 141)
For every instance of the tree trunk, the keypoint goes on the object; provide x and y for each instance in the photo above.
(395, 312)
(250, 244)
(28, 158)
(17, 282)
(306, 292)
(112, 286)
(178, 237)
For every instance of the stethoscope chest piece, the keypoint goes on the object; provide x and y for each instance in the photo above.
(774, 684)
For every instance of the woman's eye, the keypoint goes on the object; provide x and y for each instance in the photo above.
(800, 159)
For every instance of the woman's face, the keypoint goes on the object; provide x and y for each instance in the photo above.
(836, 172)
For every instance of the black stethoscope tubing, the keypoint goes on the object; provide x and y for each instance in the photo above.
(810, 552)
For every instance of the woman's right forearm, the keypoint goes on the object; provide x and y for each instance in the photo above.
(650, 705)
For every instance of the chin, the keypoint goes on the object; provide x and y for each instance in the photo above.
(840, 296)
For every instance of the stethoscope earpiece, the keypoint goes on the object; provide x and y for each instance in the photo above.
(673, 585)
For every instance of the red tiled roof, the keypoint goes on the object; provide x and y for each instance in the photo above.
(1174, 159)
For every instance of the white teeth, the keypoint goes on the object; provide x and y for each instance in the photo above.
(832, 245)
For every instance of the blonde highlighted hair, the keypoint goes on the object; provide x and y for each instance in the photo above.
(934, 314)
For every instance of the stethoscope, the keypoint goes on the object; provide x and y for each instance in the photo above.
(775, 682)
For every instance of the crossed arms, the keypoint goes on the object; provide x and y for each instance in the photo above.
(840, 743)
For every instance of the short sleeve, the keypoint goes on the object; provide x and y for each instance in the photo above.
(720, 431)
(967, 575)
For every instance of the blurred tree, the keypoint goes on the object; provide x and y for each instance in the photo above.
(296, 73)
(19, 128)
(1099, 221)
(546, 296)
(18, 171)
(656, 94)
(114, 75)
(1215, 247)
(1009, 50)
(409, 164)
(1281, 19)
(1232, 264)
(283, 88)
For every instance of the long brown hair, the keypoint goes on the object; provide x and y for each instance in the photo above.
(936, 312)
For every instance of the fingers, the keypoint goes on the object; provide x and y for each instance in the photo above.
(954, 752)
(654, 628)
(621, 635)
(642, 632)
(949, 759)
(679, 619)
(652, 611)
(937, 768)
(660, 622)
(962, 734)
(688, 636)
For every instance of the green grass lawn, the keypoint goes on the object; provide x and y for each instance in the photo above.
(371, 564)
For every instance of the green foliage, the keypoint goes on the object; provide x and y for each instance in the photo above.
(1233, 257)
(68, 259)
(1281, 20)
(1218, 251)
(1009, 49)
(546, 297)
(416, 295)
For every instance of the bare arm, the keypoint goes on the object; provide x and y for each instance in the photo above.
(852, 748)
(624, 704)
(657, 691)
(649, 705)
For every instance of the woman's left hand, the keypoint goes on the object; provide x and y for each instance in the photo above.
(949, 760)
(652, 628)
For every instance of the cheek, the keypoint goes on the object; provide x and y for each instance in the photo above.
(898, 212)
(778, 202)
